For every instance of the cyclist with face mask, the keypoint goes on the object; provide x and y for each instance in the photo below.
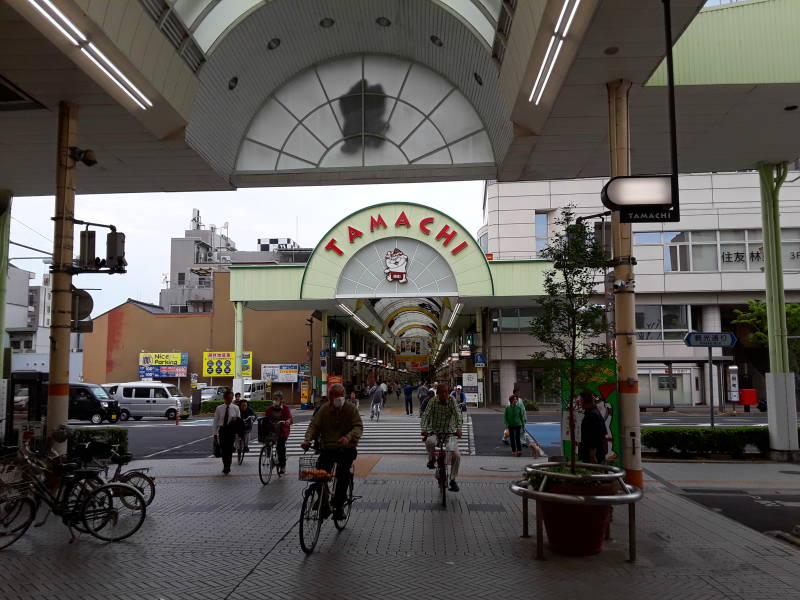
(280, 416)
(338, 427)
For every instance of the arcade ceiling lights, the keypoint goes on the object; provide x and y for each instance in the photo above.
(554, 49)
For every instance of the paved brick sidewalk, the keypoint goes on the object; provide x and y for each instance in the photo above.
(209, 536)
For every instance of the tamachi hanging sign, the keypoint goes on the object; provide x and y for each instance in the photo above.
(642, 198)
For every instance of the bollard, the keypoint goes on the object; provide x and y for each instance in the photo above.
(177, 417)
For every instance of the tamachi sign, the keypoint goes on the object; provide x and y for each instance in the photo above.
(643, 198)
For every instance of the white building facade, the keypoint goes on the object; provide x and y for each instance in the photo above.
(690, 276)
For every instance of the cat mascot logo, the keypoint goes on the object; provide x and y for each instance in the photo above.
(396, 266)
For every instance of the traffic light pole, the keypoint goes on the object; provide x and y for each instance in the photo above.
(61, 319)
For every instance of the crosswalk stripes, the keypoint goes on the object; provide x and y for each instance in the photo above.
(393, 434)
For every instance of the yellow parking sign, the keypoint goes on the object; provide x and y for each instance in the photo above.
(221, 364)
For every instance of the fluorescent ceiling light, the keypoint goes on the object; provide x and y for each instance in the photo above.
(53, 22)
(549, 72)
(112, 78)
(65, 20)
(454, 314)
(119, 73)
(571, 16)
(561, 16)
(549, 61)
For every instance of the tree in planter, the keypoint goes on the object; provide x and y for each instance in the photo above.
(568, 324)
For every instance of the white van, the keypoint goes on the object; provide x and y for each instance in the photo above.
(254, 390)
(139, 399)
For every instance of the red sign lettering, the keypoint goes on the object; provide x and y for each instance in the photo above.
(459, 248)
(402, 221)
(424, 223)
(332, 246)
(448, 237)
(353, 233)
(379, 222)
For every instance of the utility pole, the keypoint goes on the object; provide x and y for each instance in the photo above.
(5, 227)
(61, 319)
(624, 297)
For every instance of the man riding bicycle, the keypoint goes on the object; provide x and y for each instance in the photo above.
(248, 416)
(376, 398)
(280, 417)
(443, 416)
(339, 428)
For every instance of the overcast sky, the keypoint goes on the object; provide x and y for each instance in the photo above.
(150, 220)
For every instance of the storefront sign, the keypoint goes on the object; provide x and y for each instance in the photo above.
(163, 364)
(442, 233)
(221, 364)
(277, 373)
(470, 384)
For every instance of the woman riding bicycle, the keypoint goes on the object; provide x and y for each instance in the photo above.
(248, 416)
(280, 416)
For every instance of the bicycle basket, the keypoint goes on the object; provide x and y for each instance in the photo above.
(267, 431)
(308, 470)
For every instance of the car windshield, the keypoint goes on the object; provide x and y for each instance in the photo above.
(208, 392)
(247, 387)
(173, 391)
(99, 392)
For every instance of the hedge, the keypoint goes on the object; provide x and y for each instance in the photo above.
(688, 441)
(108, 435)
(259, 406)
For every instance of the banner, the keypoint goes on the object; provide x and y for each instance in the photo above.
(280, 373)
(600, 378)
(470, 386)
(163, 364)
(221, 364)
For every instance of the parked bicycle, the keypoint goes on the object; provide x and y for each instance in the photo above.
(90, 455)
(240, 443)
(268, 462)
(317, 497)
(442, 470)
(108, 511)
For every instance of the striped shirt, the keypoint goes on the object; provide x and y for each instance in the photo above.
(442, 417)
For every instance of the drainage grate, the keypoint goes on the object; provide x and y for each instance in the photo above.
(371, 505)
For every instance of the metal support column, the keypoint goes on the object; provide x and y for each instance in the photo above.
(238, 346)
(5, 227)
(61, 319)
(782, 414)
(624, 299)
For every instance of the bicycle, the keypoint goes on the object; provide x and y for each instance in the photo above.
(89, 452)
(375, 411)
(240, 443)
(316, 506)
(268, 457)
(442, 465)
(110, 511)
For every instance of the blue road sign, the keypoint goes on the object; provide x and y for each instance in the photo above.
(703, 339)
(480, 360)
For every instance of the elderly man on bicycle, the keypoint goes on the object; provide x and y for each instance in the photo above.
(339, 428)
(443, 416)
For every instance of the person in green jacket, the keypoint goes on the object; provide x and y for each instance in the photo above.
(514, 421)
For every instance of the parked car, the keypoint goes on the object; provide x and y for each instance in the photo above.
(254, 390)
(211, 393)
(140, 399)
(89, 401)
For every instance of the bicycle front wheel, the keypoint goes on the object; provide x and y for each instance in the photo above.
(441, 477)
(348, 506)
(311, 519)
(114, 512)
(16, 515)
(265, 464)
(142, 482)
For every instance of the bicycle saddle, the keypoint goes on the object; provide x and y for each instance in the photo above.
(122, 459)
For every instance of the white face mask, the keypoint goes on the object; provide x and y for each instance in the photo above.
(276, 403)
(338, 402)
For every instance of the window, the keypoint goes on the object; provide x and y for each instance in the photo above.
(127, 392)
(667, 322)
(647, 238)
(27, 344)
(513, 320)
(179, 308)
(181, 278)
(541, 231)
(483, 242)
(160, 393)
(15, 344)
(141, 392)
(203, 281)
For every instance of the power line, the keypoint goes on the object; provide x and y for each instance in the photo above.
(31, 248)
(32, 229)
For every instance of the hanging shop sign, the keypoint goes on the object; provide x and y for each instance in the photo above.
(277, 373)
(222, 364)
(163, 364)
(642, 198)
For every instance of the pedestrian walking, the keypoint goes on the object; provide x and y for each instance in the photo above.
(512, 417)
(227, 422)
(408, 392)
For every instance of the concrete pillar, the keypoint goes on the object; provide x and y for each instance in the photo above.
(624, 299)
(238, 345)
(61, 319)
(781, 397)
(508, 378)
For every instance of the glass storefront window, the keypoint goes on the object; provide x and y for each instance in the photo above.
(667, 322)
(704, 257)
(647, 238)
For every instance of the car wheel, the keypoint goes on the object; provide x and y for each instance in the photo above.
(137, 418)
(96, 418)
(124, 415)
(171, 414)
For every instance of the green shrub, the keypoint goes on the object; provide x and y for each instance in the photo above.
(258, 406)
(700, 441)
(108, 435)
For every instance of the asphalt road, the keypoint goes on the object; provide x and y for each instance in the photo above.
(763, 511)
